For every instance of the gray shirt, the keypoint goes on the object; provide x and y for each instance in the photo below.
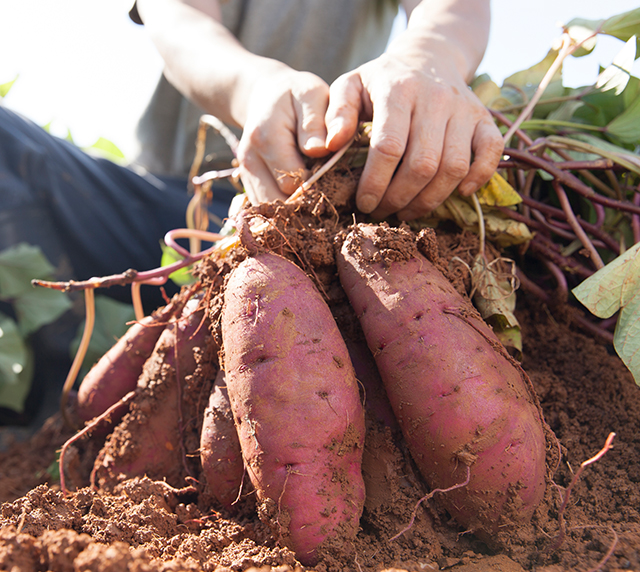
(326, 37)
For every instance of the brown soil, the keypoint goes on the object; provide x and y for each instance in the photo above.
(141, 524)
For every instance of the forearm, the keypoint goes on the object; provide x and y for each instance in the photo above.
(445, 33)
(203, 60)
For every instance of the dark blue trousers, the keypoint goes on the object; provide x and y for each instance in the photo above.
(90, 216)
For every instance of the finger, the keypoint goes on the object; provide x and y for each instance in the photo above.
(453, 168)
(257, 180)
(418, 167)
(488, 147)
(277, 149)
(389, 135)
(344, 110)
(310, 106)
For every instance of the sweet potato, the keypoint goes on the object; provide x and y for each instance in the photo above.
(220, 454)
(149, 439)
(295, 402)
(376, 401)
(117, 371)
(460, 400)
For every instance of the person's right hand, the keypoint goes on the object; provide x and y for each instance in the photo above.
(284, 115)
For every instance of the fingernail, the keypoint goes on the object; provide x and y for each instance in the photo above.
(468, 188)
(314, 142)
(367, 203)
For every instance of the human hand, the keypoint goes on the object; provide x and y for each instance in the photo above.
(284, 117)
(430, 134)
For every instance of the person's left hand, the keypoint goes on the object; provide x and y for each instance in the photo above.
(430, 134)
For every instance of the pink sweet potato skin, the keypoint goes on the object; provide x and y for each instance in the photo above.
(220, 453)
(148, 439)
(296, 404)
(116, 372)
(459, 399)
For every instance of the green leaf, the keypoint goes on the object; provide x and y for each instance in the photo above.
(39, 306)
(626, 127)
(18, 266)
(631, 92)
(5, 87)
(181, 277)
(606, 291)
(34, 307)
(626, 339)
(617, 287)
(106, 149)
(618, 74)
(526, 82)
(112, 318)
(16, 366)
(13, 352)
(566, 110)
(622, 26)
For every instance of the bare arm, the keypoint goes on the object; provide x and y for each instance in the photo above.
(268, 99)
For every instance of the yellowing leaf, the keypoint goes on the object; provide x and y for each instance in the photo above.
(609, 289)
(499, 228)
(495, 299)
(497, 192)
(617, 287)
(487, 91)
(626, 339)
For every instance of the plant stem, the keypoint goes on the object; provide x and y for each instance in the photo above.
(575, 225)
(566, 49)
(90, 317)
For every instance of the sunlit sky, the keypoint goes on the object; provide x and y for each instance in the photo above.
(84, 66)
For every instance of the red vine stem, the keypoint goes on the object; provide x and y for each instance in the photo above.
(157, 276)
(570, 181)
(575, 225)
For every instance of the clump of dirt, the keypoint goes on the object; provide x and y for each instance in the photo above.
(157, 524)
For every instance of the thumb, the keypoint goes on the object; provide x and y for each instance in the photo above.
(344, 111)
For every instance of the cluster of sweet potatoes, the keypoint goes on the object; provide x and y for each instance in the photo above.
(284, 417)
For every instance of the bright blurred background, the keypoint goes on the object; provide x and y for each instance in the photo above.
(84, 66)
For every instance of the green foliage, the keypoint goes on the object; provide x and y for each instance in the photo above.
(180, 277)
(5, 87)
(608, 110)
(32, 308)
(588, 124)
(622, 26)
(616, 287)
(107, 150)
